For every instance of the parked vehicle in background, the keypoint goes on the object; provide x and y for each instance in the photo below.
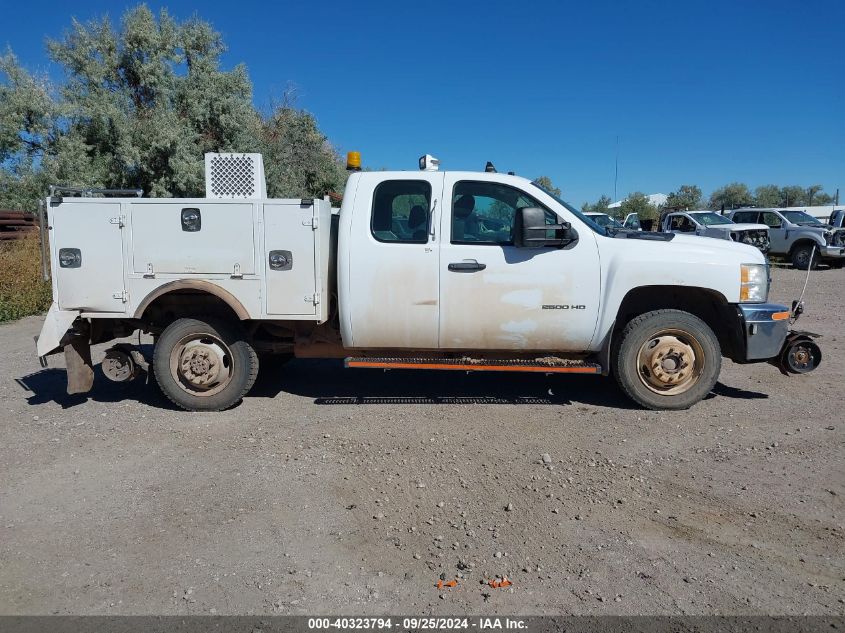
(632, 221)
(604, 220)
(711, 224)
(805, 240)
(837, 219)
(464, 271)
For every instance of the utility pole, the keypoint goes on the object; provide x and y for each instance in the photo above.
(616, 174)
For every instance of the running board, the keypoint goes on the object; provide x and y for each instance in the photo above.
(549, 365)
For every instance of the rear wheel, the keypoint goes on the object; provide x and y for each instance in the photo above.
(805, 256)
(667, 359)
(204, 366)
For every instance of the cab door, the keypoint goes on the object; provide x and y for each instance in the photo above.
(392, 289)
(777, 232)
(495, 296)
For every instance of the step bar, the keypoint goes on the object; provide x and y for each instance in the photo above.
(533, 365)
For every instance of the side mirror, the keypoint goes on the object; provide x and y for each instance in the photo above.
(531, 231)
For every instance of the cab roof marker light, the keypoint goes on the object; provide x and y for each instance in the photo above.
(429, 163)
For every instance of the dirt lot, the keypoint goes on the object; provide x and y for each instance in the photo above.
(348, 491)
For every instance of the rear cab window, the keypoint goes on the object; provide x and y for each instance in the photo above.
(401, 210)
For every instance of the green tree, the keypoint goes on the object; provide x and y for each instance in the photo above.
(139, 107)
(600, 206)
(638, 203)
(811, 195)
(767, 196)
(731, 196)
(546, 183)
(823, 198)
(298, 158)
(792, 196)
(686, 197)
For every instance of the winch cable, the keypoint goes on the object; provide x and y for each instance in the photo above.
(798, 307)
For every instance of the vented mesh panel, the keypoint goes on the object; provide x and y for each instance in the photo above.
(233, 176)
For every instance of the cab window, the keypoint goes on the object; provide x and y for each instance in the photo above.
(772, 220)
(681, 223)
(484, 212)
(745, 217)
(401, 211)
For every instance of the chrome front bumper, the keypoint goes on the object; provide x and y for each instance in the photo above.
(763, 335)
(832, 252)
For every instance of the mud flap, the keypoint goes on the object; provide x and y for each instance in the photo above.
(80, 370)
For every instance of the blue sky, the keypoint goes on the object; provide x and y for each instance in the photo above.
(697, 92)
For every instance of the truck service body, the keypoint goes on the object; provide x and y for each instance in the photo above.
(428, 269)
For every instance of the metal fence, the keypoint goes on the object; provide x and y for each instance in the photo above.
(17, 224)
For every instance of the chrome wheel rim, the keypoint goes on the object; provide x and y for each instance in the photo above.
(201, 364)
(670, 362)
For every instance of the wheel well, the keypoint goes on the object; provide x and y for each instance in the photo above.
(708, 305)
(176, 304)
(802, 242)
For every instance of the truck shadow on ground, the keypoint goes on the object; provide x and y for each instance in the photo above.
(327, 382)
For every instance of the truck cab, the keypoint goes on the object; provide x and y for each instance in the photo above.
(428, 269)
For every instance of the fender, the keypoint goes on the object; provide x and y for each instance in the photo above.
(194, 284)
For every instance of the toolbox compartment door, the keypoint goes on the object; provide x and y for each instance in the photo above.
(290, 231)
(95, 283)
(220, 239)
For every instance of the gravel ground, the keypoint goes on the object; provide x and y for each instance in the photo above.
(351, 491)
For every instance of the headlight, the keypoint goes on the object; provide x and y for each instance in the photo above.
(754, 283)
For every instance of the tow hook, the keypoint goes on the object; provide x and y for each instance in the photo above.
(799, 355)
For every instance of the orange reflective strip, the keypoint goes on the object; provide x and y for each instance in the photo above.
(526, 368)
(780, 316)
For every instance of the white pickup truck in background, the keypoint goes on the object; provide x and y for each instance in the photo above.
(428, 269)
(711, 224)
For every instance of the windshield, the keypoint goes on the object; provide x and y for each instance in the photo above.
(588, 221)
(799, 217)
(602, 219)
(708, 219)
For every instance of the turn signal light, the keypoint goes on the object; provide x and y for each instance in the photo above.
(780, 316)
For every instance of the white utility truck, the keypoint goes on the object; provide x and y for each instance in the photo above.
(428, 269)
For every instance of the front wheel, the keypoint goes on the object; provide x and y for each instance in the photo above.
(204, 366)
(805, 256)
(667, 359)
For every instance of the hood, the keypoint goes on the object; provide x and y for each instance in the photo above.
(745, 227)
(713, 249)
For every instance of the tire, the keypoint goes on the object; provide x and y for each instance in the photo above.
(204, 365)
(801, 257)
(676, 337)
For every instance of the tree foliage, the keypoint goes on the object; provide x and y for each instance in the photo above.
(600, 206)
(140, 106)
(638, 203)
(731, 196)
(686, 197)
(546, 183)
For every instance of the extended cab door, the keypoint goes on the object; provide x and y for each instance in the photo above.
(389, 297)
(495, 296)
(778, 242)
